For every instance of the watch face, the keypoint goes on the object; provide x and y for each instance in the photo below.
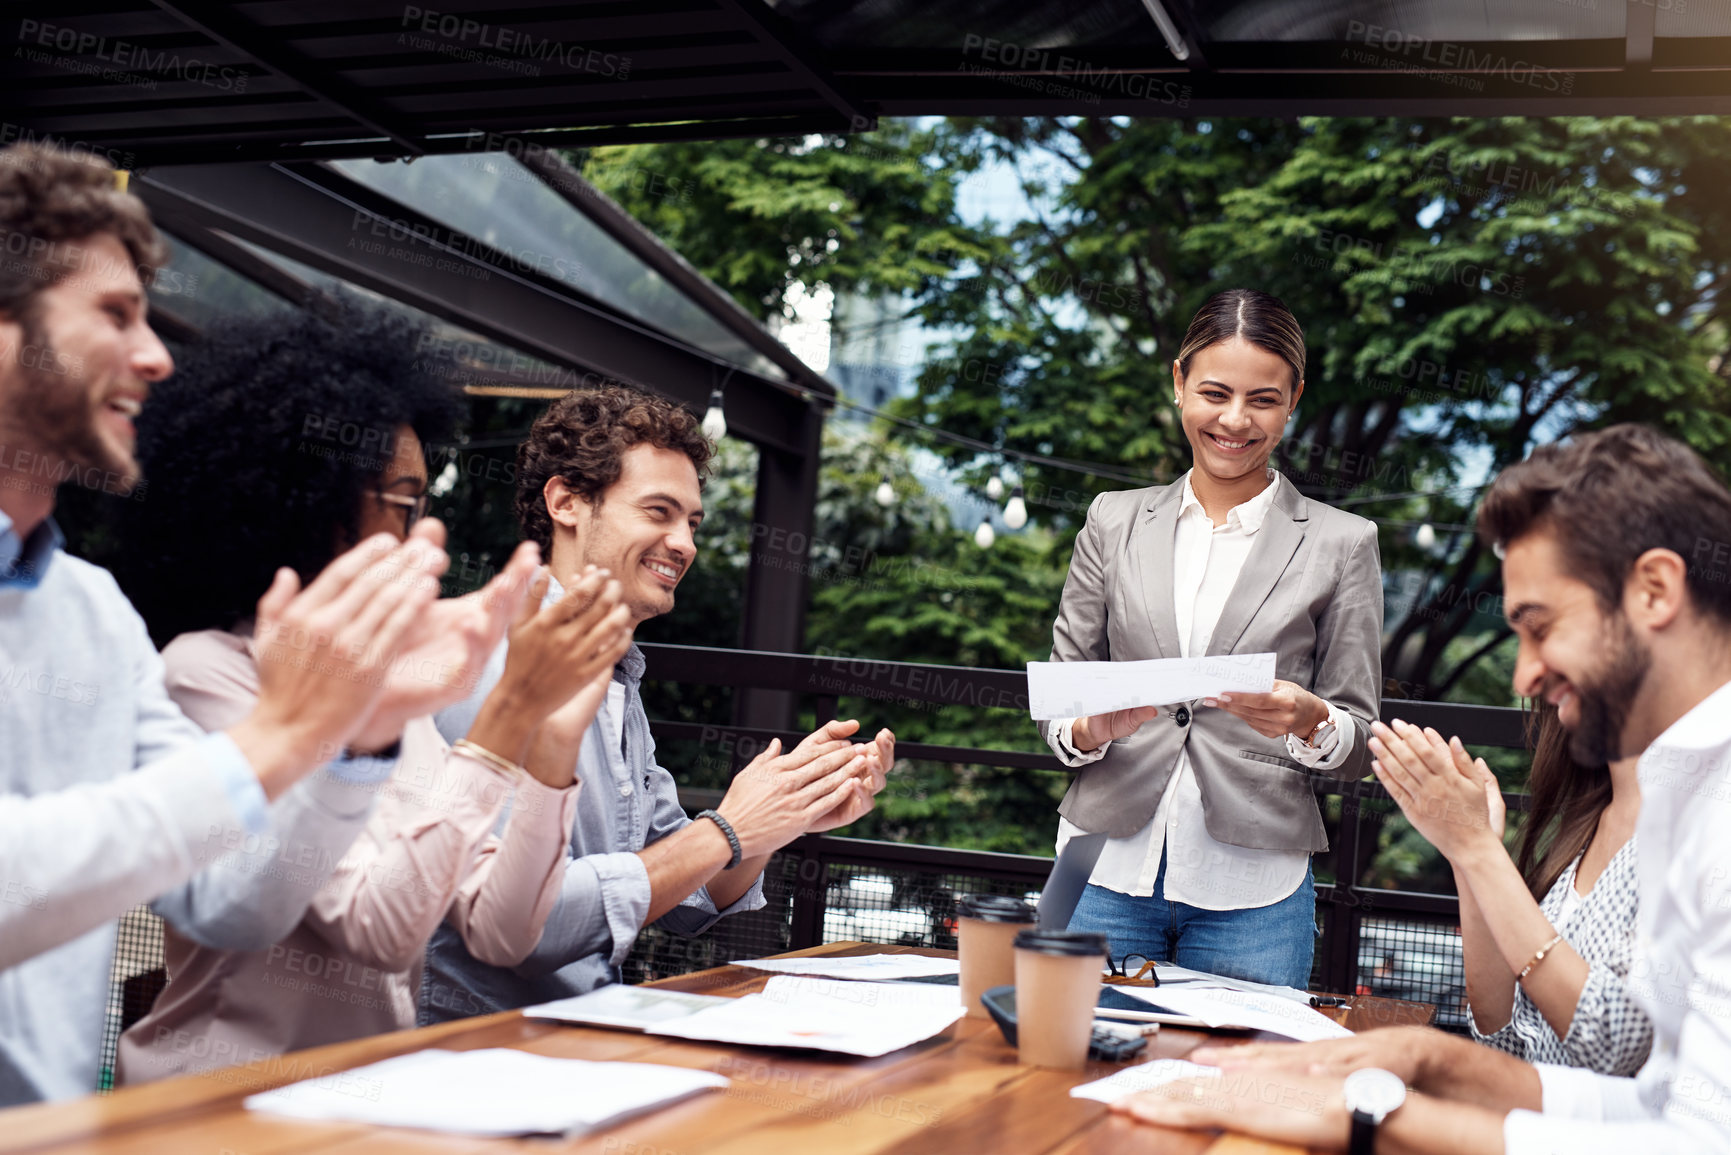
(1374, 1091)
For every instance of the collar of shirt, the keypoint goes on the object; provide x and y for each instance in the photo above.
(1246, 516)
(23, 562)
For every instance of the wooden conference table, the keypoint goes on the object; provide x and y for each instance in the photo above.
(958, 1093)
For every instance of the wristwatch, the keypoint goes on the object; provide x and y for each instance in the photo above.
(1323, 728)
(1372, 1095)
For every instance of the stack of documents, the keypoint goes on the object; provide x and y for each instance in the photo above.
(618, 1005)
(1169, 976)
(872, 967)
(851, 1018)
(1248, 1010)
(1142, 1077)
(1080, 689)
(492, 1092)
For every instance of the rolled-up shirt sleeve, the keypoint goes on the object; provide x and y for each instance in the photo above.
(1505, 1038)
(603, 900)
(1609, 1032)
(1335, 746)
(1583, 1110)
(697, 912)
(1061, 737)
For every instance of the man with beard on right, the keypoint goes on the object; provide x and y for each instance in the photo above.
(1616, 553)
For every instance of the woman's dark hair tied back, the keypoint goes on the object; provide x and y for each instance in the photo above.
(1251, 315)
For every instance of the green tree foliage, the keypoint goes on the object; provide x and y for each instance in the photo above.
(895, 584)
(869, 214)
(1469, 288)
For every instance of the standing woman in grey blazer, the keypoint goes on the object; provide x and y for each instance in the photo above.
(1208, 804)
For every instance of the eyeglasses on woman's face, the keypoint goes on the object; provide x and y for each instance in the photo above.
(414, 508)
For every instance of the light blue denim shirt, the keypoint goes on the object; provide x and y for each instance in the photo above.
(627, 802)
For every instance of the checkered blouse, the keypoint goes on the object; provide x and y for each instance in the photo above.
(1609, 1033)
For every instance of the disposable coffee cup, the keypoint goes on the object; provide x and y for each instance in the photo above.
(986, 928)
(1057, 987)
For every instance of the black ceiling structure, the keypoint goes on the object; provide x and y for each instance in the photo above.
(189, 81)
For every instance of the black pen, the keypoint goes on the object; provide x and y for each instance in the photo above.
(1327, 1001)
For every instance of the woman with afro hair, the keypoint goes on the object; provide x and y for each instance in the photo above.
(284, 440)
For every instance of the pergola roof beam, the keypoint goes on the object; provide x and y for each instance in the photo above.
(790, 45)
(320, 218)
(220, 23)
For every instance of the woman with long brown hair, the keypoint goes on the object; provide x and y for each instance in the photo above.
(1571, 886)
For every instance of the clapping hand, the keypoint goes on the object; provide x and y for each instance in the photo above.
(880, 755)
(553, 753)
(558, 649)
(557, 669)
(447, 647)
(1451, 799)
(779, 796)
(324, 653)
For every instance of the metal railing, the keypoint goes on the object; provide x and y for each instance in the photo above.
(1370, 935)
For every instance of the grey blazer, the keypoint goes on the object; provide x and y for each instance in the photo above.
(1310, 591)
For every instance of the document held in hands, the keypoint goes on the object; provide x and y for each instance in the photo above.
(494, 1092)
(1082, 689)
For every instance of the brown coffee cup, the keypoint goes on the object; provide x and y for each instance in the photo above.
(1057, 987)
(986, 926)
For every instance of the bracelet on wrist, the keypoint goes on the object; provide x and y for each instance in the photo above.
(732, 838)
(485, 756)
(1538, 958)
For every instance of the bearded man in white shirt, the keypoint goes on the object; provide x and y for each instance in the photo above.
(1617, 582)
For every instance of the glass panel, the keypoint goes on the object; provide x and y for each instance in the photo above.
(1675, 18)
(491, 197)
(464, 358)
(199, 291)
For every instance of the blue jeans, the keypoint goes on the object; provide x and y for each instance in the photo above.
(1266, 944)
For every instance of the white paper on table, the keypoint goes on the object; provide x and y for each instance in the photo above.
(492, 1092)
(1247, 1009)
(1179, 976)
(1142, 1077)
(880, 967)
(1082, 689)
(852, 1018)
(619, 1005)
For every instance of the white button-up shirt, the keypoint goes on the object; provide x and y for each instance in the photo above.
(1680, 1102)
(1201, 871)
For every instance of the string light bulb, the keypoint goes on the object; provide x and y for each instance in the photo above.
(994, 488)
(714, 424)
(984, 537)
(1016, 512)
(1425, 538)
(886, 493)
